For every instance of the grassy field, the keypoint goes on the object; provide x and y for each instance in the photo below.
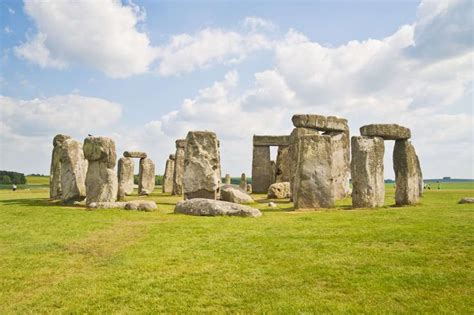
(57, 259)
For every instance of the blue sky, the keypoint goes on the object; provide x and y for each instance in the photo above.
(146, 72)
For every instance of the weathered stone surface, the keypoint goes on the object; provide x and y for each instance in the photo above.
(319, 122)
(107, 205)
(293, 151)
(146, 177)
(271, 204)
(419, 174)
(367, 172)
(202, 176)
(100, 149)
(341, 162)
(135, 154)
(227, 179)
(271, 140)
(386, 131)
(274, 169)
(143, 205)
(283, 164)
(243, 182)
(279, 190)
(467, 200)
(101, 179)
(168, 175)
(313, 187)
(406, 173)
(73, 171)
(208, 207)
(233, 193)
(262, 171)
(55, 170)
(179, 167)
(172, 157)
(125, 177)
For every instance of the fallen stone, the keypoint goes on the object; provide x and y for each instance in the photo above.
(107, 205)
(386, 131)
(143, 205)
(233, 193)
(367, 171)
(279, 190)
(319, 122)
(135, 154)
(202, 176)
(209, 207)
(467, 200)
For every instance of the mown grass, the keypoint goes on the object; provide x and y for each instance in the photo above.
(390, 260)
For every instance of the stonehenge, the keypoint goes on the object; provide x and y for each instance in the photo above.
(264, 172)
(312, 168)
(168, 175)
(201, 178)
(101, 179)
(320, 156)
(178, 167)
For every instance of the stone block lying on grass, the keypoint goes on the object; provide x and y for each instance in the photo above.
(209, 207)
(235, 194)
(144, 205)
(279, 190)
(467, 200)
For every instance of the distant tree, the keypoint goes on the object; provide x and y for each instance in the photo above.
(5, 179)
(14, 177)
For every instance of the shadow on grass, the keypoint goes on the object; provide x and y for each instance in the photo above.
(40, 202)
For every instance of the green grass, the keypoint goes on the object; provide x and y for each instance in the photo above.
(57, 259)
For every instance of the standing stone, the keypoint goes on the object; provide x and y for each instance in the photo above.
(420, 177)
(168, 176)
(179, 167)
(283, 164)
(73, 171)
(341, 162)
(146, 177)
(202, 176)
(227, 179)
(406, 173)
(368, 186)
(243, 182)
(101, 179)
(55, 170)
(314, 183)
(293, 152)
(274, 170)
(262, 171)
(125, 177)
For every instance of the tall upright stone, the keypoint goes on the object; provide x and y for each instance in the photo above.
(262, 170)
(146, 177)
(341, 157)
(407, 176)
(282, 164)
(179, 167)
(293, 152)
(367, 170)
(125, 177)
(101, 178)
(243, 182)
(227, 179)
(168, 175)
(202, 176)
(55, 170)
(73, 171)
(314, 181)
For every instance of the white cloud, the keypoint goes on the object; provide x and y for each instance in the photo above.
(7, 30)
(185, 53)
(98, 34)
(255, 23)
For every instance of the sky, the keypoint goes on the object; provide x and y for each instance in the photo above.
(146, 72)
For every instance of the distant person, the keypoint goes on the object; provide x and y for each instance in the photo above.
(14, 187)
